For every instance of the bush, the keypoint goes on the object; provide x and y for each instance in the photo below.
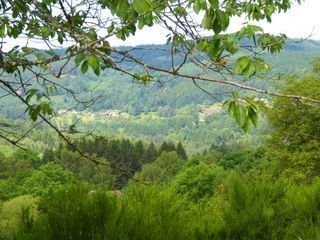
(74, 214)
(10, 214)
(253, 210)
(303, 204)
(238, 210)
(198, 182)
(47, 179)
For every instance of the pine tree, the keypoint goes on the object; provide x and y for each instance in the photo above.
(123, 157)
(167, 147)
(125, 152)
(151, 153)
(138, 154)
(113, 150)
(163, 148)
(181, 152)
(171, 147)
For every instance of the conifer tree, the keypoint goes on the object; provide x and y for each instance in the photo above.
(151, 153)
(171, 147)
(181, 152)
(163, 148)
(139, 153)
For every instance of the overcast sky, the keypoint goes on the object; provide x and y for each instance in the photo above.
(299, 22)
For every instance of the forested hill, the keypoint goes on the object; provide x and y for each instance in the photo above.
(120, 92)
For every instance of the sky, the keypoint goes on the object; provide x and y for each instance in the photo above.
(299, 22)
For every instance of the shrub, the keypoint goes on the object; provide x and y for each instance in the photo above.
(10, 214)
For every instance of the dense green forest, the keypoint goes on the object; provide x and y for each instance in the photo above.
(214, 135)
(169, 171)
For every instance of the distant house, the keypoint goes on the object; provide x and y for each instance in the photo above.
(19, 91)
(111, 113)
(207, 111)
(63, 111)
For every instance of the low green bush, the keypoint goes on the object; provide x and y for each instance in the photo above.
(238, 209)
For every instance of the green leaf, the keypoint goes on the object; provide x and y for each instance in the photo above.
(246, 125)
(249, 67)
(180, 11)
(199, 5)
(97, 71)
(30, 94)
(149, 19)
(2, 30)
(208, 20)
(243, 62)
(79, 58)
(141, 6)
(175, 40)
(93, 62)
(84, 67)
(230, 45)
(105, 48)
(141, 23)
(240, 65)
(272, 43)
(40, 56)
(50, 52)
(52, 89)
(222, 19)
(239, 114)
(249, 70)
(168, 40)
(214, 49)
(28, 50)
(33, 115)
(243, 111)
(45, 31)
(202, 45)
(231, 108)
(252, 114)
(214, 4)
(110, 28)
(60, 37)
(260, 65)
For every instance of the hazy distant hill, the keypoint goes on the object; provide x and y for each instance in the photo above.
(119, 92)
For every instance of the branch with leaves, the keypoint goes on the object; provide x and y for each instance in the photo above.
(84, 29)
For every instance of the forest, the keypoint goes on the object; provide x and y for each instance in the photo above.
(205, 137)
(259, 185)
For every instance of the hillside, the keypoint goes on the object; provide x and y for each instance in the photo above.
(120, 92)
(168, 110)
